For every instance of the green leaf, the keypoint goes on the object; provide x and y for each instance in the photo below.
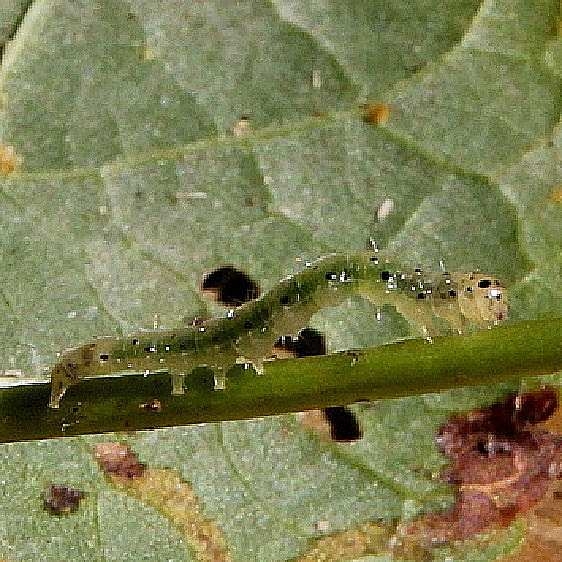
(132, 186)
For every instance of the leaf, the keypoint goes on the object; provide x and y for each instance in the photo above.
(132, 186)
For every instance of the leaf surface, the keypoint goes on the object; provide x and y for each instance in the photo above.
(132, 186)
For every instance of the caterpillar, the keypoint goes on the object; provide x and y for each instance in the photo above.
(248, 334)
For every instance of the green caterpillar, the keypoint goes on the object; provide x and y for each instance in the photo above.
(463, 300)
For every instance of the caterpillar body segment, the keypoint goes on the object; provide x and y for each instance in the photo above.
(427, 301)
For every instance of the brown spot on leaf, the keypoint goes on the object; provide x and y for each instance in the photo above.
(502, 464)
(61, 500)
(116, 459)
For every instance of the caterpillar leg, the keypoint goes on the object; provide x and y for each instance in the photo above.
(177, 383)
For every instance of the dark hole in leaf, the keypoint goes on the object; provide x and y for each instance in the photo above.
(484, 283)
(248, 324)
(231, 286)
(343, 424)
(310, 342)
(61, 500)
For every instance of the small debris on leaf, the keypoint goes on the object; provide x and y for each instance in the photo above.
(242, 127)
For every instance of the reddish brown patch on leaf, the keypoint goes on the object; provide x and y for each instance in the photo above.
(61, 500)
(501, 463)
(9, 160)
(116, 459)
(376, 113)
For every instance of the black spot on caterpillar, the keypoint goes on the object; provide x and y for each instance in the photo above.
(249, 332)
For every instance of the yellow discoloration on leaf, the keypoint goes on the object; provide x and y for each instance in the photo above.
(174, 498)
(555, 194)
(9, 160)
(148, 54)
(369, 538)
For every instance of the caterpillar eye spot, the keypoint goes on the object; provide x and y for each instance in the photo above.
(150, 349)
(135, 341)
(452, 293)
(331, 276)
(104, 357)
(484, 283)
(385, 275)
(421, 296)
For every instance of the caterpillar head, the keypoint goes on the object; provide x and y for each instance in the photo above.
(482, 298)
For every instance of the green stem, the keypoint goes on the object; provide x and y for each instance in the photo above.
(415, 366)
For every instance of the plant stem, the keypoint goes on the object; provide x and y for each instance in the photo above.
(415, 366)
